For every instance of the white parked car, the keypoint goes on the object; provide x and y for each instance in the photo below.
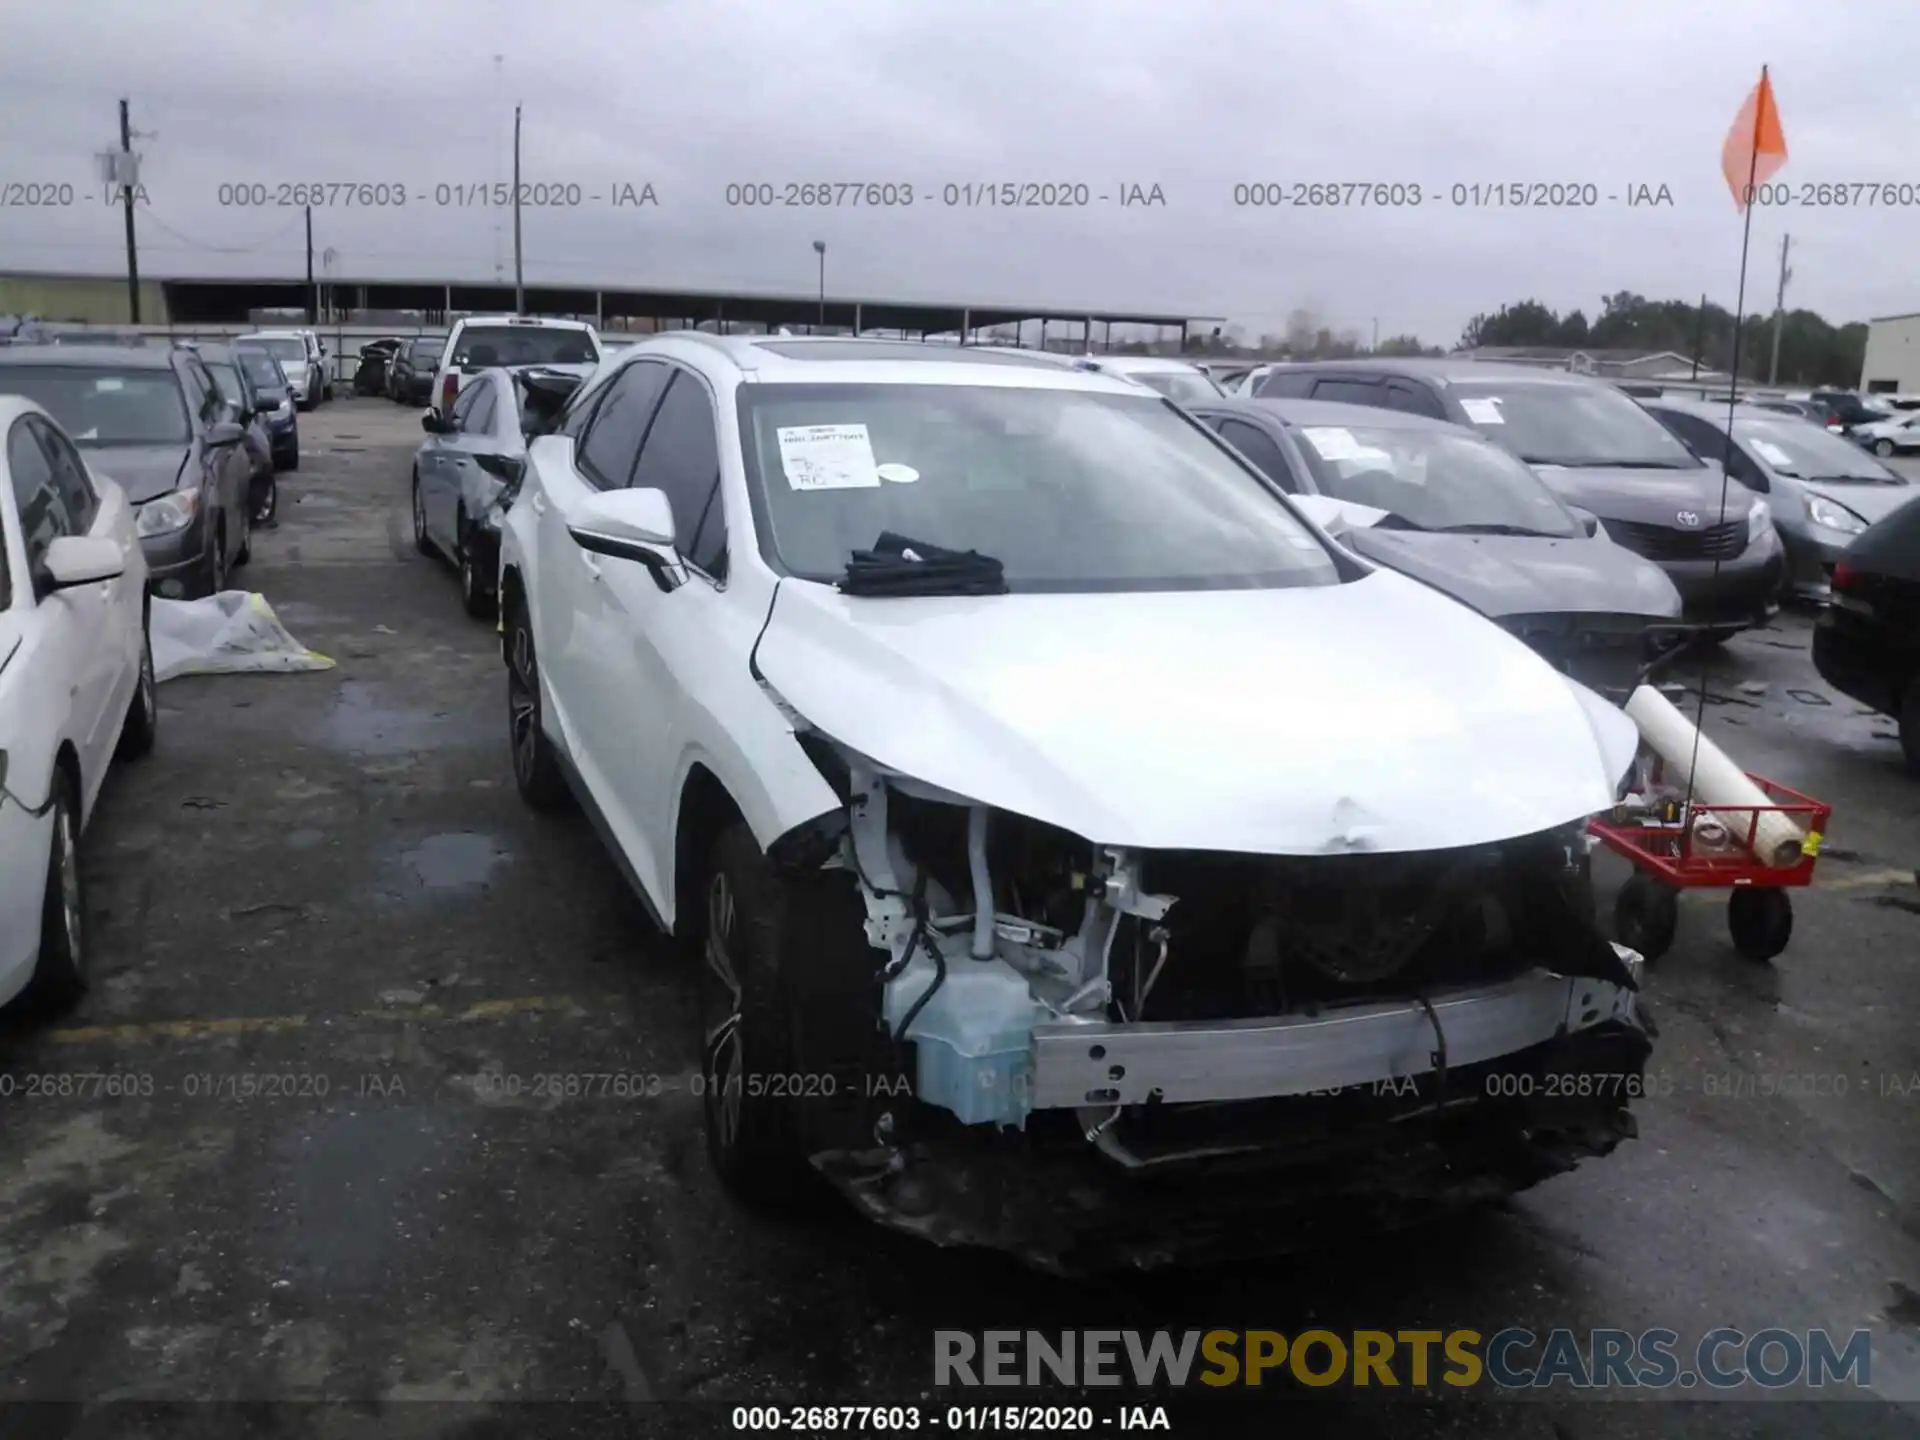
(1019, 759)
(1893, 436)
(486, 342)
(1179, 380)
(76, 685)
(302, 359)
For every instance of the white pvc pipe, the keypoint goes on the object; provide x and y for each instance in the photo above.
(982, 883)
(1716, 780)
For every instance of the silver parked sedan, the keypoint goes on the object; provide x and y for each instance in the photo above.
(468, 470)
(1823, 489)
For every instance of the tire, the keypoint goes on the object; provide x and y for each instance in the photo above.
(1883, 448)
(536, 766)
(789, 987)
(476, 593)
(1760, 922)
(420, 541)
(214, 578)
(269, 503)
(60, 975)
(1910, 725)
(142, 724)
(745, 1021)
(293, 459)
(1646, 915)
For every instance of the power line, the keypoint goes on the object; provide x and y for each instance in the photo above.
(194, 244)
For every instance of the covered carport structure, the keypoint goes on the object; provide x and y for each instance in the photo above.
(346, 301)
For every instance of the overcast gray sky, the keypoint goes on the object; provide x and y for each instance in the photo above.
(1196, 98)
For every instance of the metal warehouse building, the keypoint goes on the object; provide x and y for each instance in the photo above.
(1892, 366)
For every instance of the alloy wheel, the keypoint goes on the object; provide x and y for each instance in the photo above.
(67, 852)
(523, 702)
(725, 1068)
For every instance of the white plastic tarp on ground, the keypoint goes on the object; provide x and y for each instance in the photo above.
(225, 634)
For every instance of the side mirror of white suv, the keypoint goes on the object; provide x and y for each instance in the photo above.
(630, 525)
(74, 560)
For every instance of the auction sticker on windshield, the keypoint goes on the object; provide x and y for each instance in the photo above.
(1334, 443)
(1771, 453)
(1482, 411)
(828, 457)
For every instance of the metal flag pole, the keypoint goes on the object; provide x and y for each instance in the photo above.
(1763, 94)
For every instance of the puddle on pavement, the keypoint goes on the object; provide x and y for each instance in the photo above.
(461, 859)
(359, 722)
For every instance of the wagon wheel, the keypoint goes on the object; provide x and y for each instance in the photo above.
(1646, 913)
(1761, 922)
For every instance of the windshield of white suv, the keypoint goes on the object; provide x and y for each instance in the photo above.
(287, 352)
(1807, 452)
(524, 345)
(1068, 490)
(1433, 480)
(1556, 423)
(105, 407)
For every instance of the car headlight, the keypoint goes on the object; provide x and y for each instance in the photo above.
(167, 513)
(285, 410)
(1759, 520)
(1833, 515)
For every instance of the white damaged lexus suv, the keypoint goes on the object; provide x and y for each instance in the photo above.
(1085, 856)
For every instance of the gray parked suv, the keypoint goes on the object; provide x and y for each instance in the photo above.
(1599, 450)
(152, 420)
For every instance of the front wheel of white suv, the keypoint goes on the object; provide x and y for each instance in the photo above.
(536, 768)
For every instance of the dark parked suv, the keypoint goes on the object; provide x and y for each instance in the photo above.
(1867, 642)
(1599, 450)
(152, 419)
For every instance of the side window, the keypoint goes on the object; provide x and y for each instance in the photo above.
(682, 457)
(609, 444)
(479, 420)
(1349, 392)
(473, 400)
(1258, 446)
(42, 510)
(1693, 432)
(69, 476)
(203, 396)
(1285, 382)
(1415, 399)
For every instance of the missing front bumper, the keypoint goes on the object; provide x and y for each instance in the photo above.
(1266, 1177)
(1105, 1065)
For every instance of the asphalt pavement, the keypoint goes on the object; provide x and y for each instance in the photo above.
(295, 1147)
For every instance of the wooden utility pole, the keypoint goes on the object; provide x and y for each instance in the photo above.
(126, 196)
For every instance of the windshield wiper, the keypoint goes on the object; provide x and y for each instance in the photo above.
(1615, 464)
(897, 565)
(1490, 528)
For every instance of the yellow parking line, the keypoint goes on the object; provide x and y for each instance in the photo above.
(153, 1030)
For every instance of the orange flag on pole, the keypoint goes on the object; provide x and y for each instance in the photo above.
(1756, 146)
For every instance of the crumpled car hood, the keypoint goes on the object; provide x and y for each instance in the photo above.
(1502, 575)
(1373, 715)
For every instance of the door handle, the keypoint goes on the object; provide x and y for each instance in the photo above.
(539, 503)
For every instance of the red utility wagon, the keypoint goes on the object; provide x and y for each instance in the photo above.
(1667, 859)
